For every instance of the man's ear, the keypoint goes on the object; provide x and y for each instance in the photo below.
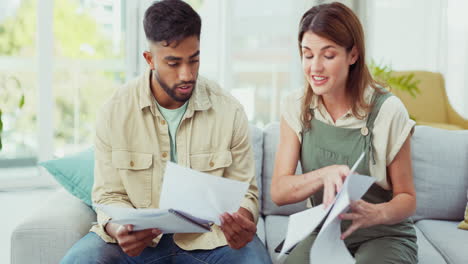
(149, 59)
(354, 55)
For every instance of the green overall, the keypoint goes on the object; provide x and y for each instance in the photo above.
(324, 145)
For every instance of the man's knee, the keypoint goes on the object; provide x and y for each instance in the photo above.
(255, 252)
(92, 249)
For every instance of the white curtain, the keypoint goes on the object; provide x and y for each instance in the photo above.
(429, 35)
(250, 48)
(456, 54)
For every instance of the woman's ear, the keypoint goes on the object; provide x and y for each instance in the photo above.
(353, 55)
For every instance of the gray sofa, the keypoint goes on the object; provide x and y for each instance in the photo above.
(440, 164)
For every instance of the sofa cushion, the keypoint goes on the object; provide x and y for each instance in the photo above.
(450, 241)
(270, 144)
(440, 171)
(427, 254)
(256, 137)
(75, 173)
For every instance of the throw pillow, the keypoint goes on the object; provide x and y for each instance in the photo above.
(464, 224)
(75, 173)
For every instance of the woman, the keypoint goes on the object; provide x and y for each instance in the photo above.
(341, 113)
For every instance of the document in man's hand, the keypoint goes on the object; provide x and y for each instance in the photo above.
(190, 202)
(166, 220)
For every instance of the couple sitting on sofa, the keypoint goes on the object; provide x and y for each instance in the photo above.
(169, 113)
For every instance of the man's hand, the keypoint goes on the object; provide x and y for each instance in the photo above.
(238, 228)
(131, 242)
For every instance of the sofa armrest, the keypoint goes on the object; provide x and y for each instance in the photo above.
(47, 234)
(456, 119)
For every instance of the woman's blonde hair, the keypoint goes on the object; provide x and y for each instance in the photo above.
(338, 23)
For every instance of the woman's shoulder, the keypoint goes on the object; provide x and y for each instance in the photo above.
(393, 107)
(393, 119)
(294, 97)
(291, 111)
(292, 102)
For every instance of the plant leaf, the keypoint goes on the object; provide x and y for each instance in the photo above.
(384, 74)
(1, 129)
(21, 102)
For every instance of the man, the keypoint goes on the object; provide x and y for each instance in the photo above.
(169, 113)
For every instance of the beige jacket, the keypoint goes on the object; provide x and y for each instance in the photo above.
(132, 146)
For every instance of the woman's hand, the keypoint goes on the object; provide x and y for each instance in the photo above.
(332, 177)
(363, 214)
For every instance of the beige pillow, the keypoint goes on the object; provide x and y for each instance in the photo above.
(464, 224)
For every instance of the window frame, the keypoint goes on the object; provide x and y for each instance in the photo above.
(44, 66)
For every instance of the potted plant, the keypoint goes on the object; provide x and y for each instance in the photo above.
(384, 74)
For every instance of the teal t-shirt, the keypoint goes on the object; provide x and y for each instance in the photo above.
(173, 118)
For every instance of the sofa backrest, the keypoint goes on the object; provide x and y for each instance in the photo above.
(270, 144)
(256, 137)
(440, 171)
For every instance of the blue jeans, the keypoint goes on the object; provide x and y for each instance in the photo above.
(92, 249)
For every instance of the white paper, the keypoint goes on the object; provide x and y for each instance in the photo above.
(150, 218)
(341, 202)
(328, 247)
(302, 224)
(354, 187)
(200, 194)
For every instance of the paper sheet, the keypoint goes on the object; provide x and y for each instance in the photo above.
(327, 247)
(301, 225)
(200, 194)
(149, 218)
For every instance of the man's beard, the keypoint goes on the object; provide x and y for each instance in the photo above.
(172, 91)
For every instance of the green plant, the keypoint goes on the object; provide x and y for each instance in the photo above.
(5, 89)
(384, 74)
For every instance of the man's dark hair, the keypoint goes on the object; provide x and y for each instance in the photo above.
(171, 20)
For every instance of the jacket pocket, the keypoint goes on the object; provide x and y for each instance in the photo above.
(136, 171)
(213, 163)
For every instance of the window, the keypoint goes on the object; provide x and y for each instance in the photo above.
(427, 35)
(18, 78)
(66, 57)
(250, 48)
(89, 65)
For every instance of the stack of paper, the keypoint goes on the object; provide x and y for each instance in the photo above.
(327, 247)
(190, 202)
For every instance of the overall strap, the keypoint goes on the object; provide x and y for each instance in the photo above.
(379, 97)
